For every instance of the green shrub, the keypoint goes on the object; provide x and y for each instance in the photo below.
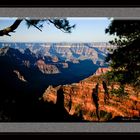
(105, 115)
(77, 108)
(119, 92)
(93, 114)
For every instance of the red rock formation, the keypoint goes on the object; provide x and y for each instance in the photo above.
(19, 76)
(65, 65)
(102, 71)
(80, 97)
(55, 59)
(75, 61)
(47, 68)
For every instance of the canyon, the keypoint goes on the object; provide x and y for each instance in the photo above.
(55, 82)
(67, 62)
(78, 100)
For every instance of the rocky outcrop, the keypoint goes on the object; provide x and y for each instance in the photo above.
(100, 71)
(55, 59)
(78, 100)
(20, 76)
(46, 68)
(26, 63)
(51, 94)
(65, 65)
(75, 61)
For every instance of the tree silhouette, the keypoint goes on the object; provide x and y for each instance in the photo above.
(60, 23)
(96, 99)
(106, 94)
(70, 103)
(81, 115)
(60, 99)
(125, 59)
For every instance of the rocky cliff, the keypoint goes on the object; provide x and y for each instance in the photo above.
(78, 100)
(47, 68)
(100, 71)
(20, 77)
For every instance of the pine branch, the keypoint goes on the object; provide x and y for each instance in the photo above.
(57, 26)
(33, 25)
(11, 28)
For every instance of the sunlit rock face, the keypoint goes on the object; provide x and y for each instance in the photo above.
(47, 68)
(78, 98)
(102, 71)
(20, 77)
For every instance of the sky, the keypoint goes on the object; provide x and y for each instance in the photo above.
(88, 29)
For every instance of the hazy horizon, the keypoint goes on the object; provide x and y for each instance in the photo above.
(51, 42)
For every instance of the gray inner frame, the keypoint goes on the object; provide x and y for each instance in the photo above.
(127, 13)
(70, 12)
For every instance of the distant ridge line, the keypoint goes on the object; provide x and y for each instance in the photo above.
(61, 43)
